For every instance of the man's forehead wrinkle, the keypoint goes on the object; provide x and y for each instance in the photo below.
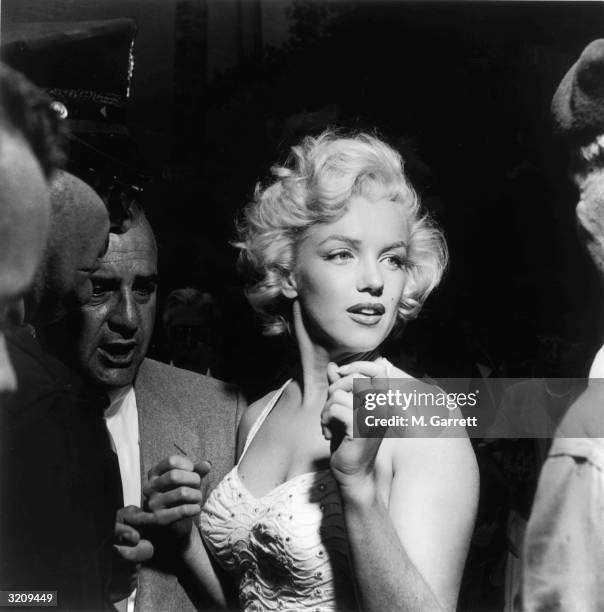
(139, 234)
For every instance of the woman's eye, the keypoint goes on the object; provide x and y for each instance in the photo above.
(395, 262)
(339, 256)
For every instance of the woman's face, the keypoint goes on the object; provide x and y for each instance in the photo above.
(350, 275)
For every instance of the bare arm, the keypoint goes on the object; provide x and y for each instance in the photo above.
(408, 551)
(410, 555)
(198, 573)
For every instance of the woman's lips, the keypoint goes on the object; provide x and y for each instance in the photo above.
(367, 313)
(366, 319)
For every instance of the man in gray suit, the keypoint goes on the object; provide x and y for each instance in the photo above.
(156, 410)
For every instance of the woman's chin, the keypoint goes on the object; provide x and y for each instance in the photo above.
(360, 344)
(349, 354)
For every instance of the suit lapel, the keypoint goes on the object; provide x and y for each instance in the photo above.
(155, 439)
(171, 420)
(163, 422)
(146, 425)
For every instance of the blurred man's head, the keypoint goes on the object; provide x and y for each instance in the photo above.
(578, 115)
(116, 324)
(29, 150)
(193, 327)
(78, 236)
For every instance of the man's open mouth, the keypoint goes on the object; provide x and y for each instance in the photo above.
(118, 354)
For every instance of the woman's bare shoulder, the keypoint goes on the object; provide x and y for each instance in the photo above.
(444, 462)
(250, 416)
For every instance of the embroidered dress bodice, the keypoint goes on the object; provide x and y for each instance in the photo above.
(286, 549)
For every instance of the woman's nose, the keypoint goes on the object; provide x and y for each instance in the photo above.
(370, 278)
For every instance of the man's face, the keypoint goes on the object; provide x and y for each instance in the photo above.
(190, 335)
(24, 220)
(117, 321)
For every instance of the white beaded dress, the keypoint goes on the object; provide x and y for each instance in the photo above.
(287, 549)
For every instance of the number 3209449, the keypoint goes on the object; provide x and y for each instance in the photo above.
(28, 598)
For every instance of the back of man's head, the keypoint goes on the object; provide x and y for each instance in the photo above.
(30, 135)
(78, 236)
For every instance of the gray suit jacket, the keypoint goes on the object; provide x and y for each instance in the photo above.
(199, 415)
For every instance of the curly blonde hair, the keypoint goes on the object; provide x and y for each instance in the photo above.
(314, 186)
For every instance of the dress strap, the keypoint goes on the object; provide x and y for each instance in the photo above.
(262, 417)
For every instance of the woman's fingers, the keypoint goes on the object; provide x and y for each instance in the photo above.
(167, 516)
(358, 369)
(372, 369)
(177, 471)
(345, 383)
(173, 489)
(339, 396)
(174, 497)
(173, 462)
(336, 416)
(333, 372)
(203, 468)
(172, 479)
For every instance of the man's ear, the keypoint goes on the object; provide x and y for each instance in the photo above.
(289, 287)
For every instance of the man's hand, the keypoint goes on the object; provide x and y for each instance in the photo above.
(128, 542)
(130, 549)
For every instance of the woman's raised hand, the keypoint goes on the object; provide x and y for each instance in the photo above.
(352, 460)
(174, 497)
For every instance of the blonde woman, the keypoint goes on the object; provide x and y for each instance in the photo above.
(337, 251)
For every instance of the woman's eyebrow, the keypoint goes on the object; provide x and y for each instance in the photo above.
(401, 244)
(341, 238)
